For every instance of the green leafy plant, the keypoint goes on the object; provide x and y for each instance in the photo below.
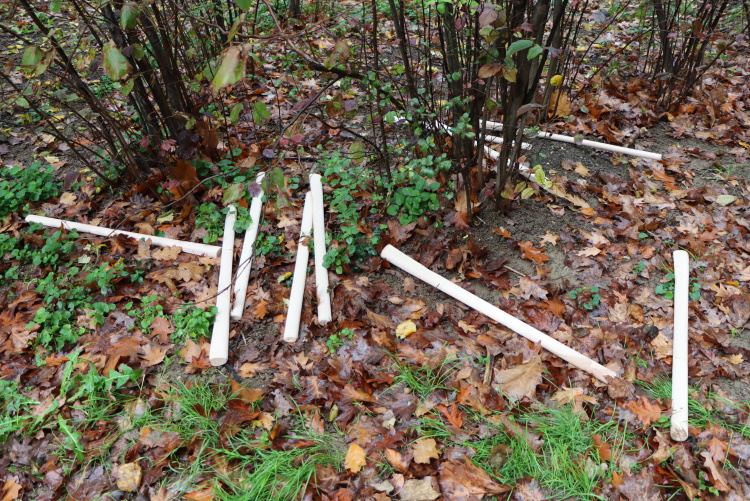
(666, 289)
(337, 340)
(20, 185)
(191, 322)
(586, 297)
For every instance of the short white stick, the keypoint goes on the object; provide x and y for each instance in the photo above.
(571, 356)
(319, 240)
(591, 144)
(679, 428)
(219, 352)
(189, 247)
(246, 255)
(499, 140)
(296, 295)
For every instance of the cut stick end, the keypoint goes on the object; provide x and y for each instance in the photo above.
(678, 432)
(291, 339)
(218, 361)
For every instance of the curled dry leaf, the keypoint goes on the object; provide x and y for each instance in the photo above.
(355, 458)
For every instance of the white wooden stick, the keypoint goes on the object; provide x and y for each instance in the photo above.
(571, 356)
(219, 352)
(319, 240)
(591, 144)
(499, 140)
(679, 428)
(246, 255)
(296, 295)
(189, 247)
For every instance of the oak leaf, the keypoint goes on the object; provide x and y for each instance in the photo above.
(520, 381)
(11, 489)
(532, 253)
(355, 458)
(646, 411)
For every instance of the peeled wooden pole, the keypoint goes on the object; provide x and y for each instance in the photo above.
(679, 428)
(296, 295)
(246, 255)
(319, 240)
(591, 144)
(219, 352)
(189, 247)
(571, 356)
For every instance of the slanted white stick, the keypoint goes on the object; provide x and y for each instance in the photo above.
(591, 144)
(246, 255)
(679, 428)
(571, 356)
(296, 295)
(189, 247)
(319, 240)
(219, 352)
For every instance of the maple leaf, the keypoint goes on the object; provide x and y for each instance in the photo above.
(261, 309)
(532, 253)
(424, 450)
(153, 355)
(646, 411)
(520, 381)
(355, 458)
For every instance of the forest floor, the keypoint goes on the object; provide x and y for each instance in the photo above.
(108, 392)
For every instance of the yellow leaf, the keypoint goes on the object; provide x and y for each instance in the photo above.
(355, 458)
(129, 477)
(404, 329)
(424, 450)
(556, 81)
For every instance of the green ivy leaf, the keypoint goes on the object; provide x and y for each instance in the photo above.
(31, 57)
(234, 115)
(115, 64)
(534, 52)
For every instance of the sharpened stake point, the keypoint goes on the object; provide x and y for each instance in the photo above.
(296, 295)
(409, 265)
(219, 351)
(679, 423)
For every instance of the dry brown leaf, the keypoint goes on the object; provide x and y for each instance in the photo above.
(530, 288)
(716, 477)
(166, 253)
(424, 450)
(129, 477)
(520, 381)
(11, 489)
(464, 481)
(397, 460)
(532, 253)
(251, 369)
(591, 251)
(646, 411)
(355, 458)
(423, 489)
(662, 346)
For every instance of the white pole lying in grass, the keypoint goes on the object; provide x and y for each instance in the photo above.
(571, 356)
(319, 240)
(591, 144)
(296, 295)
(679, 428)
(246, 255)
(499, 140)
(189, 247)
(219, 352)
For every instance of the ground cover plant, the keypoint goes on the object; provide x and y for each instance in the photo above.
(154, 116)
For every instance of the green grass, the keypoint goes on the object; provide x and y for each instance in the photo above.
(555, 447)
(703, 412)
(423, 380)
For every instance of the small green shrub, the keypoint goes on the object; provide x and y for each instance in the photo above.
(587, 297)
(667, 288)
(191, 322)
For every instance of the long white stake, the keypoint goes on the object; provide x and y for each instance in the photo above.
(189, 247)
(246, 255)
(591, 144)
(296, 295)
(571, 356)
(319, 239)
(219, 352)
(679, 428)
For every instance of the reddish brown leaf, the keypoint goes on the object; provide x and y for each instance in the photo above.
(646, 411)
(532, 253)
